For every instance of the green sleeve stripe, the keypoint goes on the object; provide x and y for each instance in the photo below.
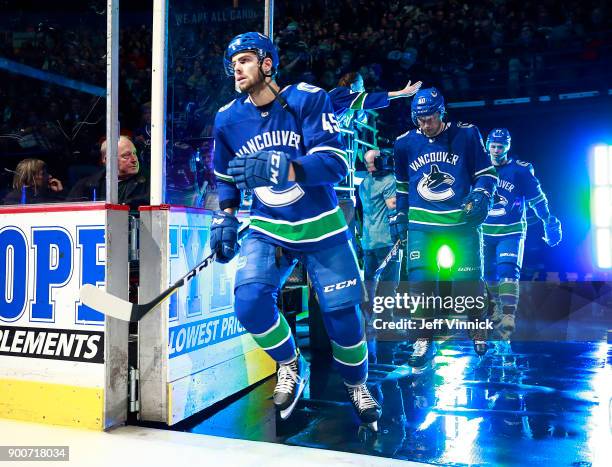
(358, 102)
(489, 171)
(225, 178)
(338, 152)
(402, 187)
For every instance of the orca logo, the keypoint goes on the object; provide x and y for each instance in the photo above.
(429, 183)
(499, 205)
(434, 93)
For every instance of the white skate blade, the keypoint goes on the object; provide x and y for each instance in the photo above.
(105, 303)
(286, 413)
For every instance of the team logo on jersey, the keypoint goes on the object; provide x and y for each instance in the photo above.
(436, 185)
(279, 197)
(242, 262)
(499, 205)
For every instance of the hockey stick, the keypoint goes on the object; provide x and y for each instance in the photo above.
(395, 250)
(108, 304)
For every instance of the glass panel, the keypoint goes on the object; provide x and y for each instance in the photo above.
(197, 88)
(52, 97)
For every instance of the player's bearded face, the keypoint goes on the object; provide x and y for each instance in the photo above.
(430, 125)
(246, 71)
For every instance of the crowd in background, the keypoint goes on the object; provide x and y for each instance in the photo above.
(470, 50)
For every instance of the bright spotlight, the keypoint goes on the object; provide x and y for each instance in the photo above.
(445, 257)
(601, 198)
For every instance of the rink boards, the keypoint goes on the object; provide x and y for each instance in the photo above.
(60, 361)
(193, 352)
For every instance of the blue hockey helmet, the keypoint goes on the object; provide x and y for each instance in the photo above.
(427, 102)
(501, 136)
(253, 42)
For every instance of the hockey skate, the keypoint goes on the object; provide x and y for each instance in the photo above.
(505, 326)
(368, 410)
(480, 347)
(479, 340)
(292, 379)
(423, 352)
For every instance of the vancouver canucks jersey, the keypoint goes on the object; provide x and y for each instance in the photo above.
(517, 189)
(303, 216)
(434, 175)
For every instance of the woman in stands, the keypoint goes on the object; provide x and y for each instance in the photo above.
(33, 184)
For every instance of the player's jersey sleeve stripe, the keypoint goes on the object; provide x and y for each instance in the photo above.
(402, 187)
(357, 103)
(403, 135)
(225, 178)
(486, 172)
(336, 151)
(537, 199)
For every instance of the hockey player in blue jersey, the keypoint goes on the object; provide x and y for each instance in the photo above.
(505, 228)
(445, 186)
(284, 144)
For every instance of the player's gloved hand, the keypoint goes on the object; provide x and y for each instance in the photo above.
(261, 168)
(398, 226)
(476, 207)
(224, 236)
(552, 231)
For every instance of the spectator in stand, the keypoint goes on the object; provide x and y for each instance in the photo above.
(32, 184)
(133, 187)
